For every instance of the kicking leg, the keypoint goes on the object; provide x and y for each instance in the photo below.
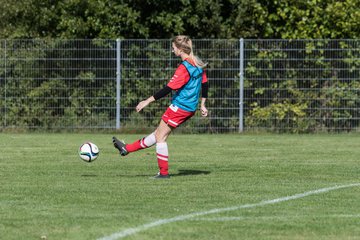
(143, 143)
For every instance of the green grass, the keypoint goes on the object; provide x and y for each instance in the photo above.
(46, 190)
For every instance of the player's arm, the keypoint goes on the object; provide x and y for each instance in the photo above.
(144, 103)
(160, 94)
(176, 82)
(204, 95)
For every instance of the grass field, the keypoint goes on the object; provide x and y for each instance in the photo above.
(47, 192)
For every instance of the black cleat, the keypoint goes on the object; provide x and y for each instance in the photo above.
(120, 145)
(160, 176)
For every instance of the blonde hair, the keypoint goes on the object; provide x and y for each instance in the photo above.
(184, 43)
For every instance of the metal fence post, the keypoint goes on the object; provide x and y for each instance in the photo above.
(5, 85)
(241, 88)
(118, 79)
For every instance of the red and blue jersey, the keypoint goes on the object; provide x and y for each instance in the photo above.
(187, 82)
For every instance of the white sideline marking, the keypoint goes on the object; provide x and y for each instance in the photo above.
(134, 230)
(226, 219)
(221, 219)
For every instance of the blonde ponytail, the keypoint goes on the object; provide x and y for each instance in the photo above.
(198, 62)
(184, 43)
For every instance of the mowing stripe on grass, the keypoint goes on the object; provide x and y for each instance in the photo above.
(134, 230)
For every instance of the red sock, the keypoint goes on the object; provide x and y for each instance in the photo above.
(162, 158)
(135, 146)
(145, 142)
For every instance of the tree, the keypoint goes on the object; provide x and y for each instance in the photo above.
(112, 19)
(311, 19)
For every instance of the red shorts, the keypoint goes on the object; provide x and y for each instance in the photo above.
(175, 116)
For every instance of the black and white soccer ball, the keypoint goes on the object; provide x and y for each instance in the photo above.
(89, 152)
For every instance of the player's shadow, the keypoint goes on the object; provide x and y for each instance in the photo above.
(181, 172)
(89, 175)
(187, 172)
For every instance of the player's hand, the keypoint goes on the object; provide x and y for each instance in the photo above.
(204, 111)
(144, 103)
(141, 105)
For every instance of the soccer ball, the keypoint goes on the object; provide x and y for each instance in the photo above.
(88, 152)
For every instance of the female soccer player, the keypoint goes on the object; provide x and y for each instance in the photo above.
(188, 79)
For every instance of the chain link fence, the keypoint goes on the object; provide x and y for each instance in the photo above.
(255, 85)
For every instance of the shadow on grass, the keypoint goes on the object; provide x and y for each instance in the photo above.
(89, 175)
(181, 172)
(187, 172)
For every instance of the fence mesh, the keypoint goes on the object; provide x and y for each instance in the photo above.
(288, 85)
(302, 85)
(57, 84)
